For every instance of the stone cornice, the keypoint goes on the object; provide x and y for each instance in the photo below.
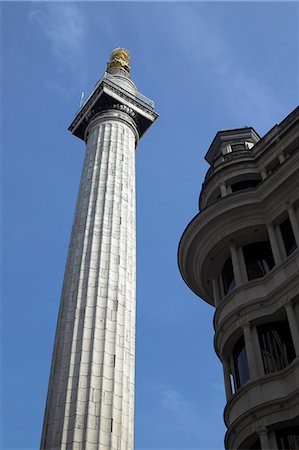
(111, 114)
(104, 95)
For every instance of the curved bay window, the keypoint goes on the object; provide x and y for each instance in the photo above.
(228, 276)
(240, 363)
(276, 346)
(288, 438)
(258, 259)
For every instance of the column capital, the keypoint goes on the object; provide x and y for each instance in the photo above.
(114, 115)
(288, 303)
(246, 325)
(263, 431)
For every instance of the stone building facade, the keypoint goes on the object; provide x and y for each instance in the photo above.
(241, 255)
(90, 402)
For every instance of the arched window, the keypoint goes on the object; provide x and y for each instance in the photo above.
(240, 363)
(258, 259)
(288, 438)
(228, 276)
(276, 346)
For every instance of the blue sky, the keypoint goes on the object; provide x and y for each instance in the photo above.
(207, 66)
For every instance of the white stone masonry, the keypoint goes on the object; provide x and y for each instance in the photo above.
(90, 404)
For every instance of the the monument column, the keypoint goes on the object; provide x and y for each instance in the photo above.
(90, 403)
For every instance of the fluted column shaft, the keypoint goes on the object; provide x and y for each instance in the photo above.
(227, 379)
(90, 404)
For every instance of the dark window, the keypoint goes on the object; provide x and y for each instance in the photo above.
(240, 363)
(273, 165)
(244, 184)
(238, 147)
(256, 445)
(228, 276)
(288, 236)
(258, 259)
(292, 150)
(252, 443)
(288, 439)
(276, 346)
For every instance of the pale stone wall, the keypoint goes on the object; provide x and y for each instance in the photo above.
(90, 402)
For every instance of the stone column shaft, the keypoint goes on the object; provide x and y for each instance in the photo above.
(250, 351)
(294, 327)
(280, 242)
(265, 441)
(236, 264)
(216, 290)
(274, 244)
(220, 284)
(223, 189)
(90, 402)
(257, 351)
(281, 158)
(294, 223)
(242, 264)
(227, 379)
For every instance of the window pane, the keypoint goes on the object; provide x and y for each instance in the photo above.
(288, 438)
(276, 346)
(243, 367)
(240, 363)
(245, 184)
(258, 259)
